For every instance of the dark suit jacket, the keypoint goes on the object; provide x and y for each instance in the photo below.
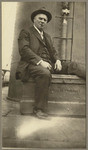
(30, 48)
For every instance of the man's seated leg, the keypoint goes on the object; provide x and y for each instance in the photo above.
(42, 78)
(77, 69)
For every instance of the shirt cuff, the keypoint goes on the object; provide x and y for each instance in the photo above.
(58, 60)
(39, 62)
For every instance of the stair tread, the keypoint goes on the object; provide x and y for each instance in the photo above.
(60, 78)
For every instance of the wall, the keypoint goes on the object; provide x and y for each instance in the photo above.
(79, 33)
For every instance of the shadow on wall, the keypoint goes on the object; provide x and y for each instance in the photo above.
(5, 77)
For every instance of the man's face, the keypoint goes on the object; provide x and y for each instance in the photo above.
(40, 21)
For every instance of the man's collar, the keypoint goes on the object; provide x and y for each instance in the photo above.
(38, 30)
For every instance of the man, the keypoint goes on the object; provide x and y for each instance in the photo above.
(38, 59)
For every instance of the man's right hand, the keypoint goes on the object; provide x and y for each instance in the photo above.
(45, 65)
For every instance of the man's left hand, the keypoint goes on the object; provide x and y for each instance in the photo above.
(58, 65)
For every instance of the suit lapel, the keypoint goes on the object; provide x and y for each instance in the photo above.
(37, 35)
(47, 41)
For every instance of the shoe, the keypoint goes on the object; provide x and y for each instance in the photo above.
(34, 111)
(41, 115)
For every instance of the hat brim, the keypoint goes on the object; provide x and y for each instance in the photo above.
(48, 14)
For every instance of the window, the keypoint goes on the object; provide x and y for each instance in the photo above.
(64, 22)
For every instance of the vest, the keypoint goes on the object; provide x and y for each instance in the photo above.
(45, 53)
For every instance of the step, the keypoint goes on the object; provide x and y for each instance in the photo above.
(56, 108)
(66, 95)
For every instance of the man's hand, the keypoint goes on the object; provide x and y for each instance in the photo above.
(58, 65)
(45, 65)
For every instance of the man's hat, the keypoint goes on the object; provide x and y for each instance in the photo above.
(41, 11)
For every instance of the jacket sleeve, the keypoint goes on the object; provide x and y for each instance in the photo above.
(26, 53)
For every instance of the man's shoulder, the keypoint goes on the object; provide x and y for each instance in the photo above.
(25, 31)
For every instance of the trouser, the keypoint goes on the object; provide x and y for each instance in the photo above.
(42, 77)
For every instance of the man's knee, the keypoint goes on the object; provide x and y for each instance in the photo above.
(46, 73)
(44, 76)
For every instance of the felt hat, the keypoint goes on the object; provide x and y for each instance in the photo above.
(41, 11)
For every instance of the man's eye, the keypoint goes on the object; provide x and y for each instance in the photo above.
(45, 20)
(42, 19)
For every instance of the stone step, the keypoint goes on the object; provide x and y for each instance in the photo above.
(71, 83)
(56, 108)
(66, 96)
(63, 88)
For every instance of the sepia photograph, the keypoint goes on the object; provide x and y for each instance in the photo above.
(43, 75)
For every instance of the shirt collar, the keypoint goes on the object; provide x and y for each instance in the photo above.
(40, 32)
